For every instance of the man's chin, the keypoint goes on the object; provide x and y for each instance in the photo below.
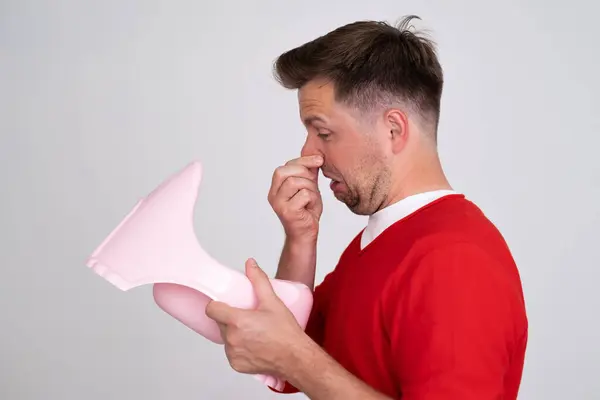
(340, 196)
(349, 201)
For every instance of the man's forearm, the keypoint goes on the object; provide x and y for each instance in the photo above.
(298, 262)
(320, 377)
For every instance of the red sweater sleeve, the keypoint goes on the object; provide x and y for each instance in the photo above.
(451, 325)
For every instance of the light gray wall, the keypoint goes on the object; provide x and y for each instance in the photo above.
(100, 101)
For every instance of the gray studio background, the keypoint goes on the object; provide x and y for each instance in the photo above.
(101, 101)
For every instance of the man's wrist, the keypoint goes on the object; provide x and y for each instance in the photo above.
(315, 373)
(298, 261)
(306, 358)
(302, 243)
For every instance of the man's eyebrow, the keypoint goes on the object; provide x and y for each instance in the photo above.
(310, 120)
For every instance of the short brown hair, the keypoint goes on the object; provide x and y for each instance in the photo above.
(370, 63)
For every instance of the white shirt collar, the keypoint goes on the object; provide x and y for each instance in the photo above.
(384, 218)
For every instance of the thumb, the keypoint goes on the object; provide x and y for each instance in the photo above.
(260, 281)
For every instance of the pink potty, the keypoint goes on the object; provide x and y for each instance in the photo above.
(156, 244)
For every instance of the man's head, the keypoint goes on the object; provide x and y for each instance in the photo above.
(369, 96)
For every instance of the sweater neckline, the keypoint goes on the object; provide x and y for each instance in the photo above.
(381, 237)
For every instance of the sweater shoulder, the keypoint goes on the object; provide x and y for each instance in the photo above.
(450, 222)
(458, 232)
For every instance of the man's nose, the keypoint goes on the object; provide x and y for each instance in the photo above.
(310, 148)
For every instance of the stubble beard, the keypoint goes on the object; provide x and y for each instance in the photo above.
(367, 193)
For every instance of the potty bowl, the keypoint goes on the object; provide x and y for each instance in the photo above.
(156, 244)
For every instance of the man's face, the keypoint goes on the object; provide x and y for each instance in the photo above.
(353, 148)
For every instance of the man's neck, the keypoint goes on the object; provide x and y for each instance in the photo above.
(423, 173)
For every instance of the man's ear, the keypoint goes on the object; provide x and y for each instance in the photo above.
(397, 125)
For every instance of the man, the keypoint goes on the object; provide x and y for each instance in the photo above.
(426, 301)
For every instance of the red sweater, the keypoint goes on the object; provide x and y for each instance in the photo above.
(431, 309)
